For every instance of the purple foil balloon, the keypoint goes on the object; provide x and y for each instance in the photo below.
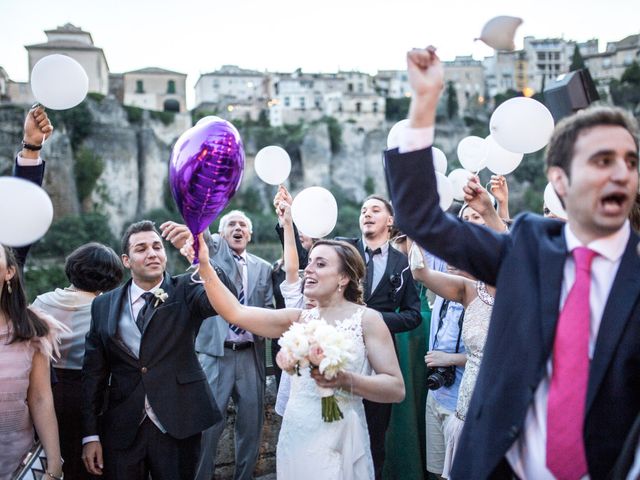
(205, 171)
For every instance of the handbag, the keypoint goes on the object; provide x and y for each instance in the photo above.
(33, 465)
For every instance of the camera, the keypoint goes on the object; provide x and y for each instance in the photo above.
(440, 377)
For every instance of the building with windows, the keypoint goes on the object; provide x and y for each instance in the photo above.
(612, 63)
(467, 76)
(231, 83)
(155, 89)
(392, 83)
(78, 44)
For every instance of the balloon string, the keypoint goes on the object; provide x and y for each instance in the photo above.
(194, 278)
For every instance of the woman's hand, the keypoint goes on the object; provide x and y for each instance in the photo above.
(176, 233)
(343, 380)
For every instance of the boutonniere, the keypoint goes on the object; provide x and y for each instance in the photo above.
(161, 296)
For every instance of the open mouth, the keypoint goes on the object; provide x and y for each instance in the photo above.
(309, 282)
(237, 236)
(613, 203)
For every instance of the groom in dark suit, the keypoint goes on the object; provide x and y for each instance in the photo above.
(140, 349)
(559, 386)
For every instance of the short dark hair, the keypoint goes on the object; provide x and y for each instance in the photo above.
(352, 266)
(94, 267)
(561, 145)
(141, 226)
(380, 198)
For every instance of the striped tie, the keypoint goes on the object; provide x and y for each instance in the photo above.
(241, 299)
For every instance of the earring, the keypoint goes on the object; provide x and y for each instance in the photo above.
(9, 287)
(339, 288)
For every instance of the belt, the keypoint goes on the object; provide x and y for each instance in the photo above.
(238, 346)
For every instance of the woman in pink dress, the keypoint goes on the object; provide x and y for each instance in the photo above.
(27, 342)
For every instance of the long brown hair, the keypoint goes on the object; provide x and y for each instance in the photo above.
(23, 323)
(352, 266)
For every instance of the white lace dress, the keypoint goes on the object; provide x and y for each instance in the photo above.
(474, 335)
(312, 449)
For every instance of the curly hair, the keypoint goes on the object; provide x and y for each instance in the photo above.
(352, 266)
(94, 267)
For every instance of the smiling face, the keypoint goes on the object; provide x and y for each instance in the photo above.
(375, 219)
(237, 233)
(146, 258)
(323, 274)
(600, 190)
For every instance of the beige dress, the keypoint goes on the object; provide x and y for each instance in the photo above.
(474, 336)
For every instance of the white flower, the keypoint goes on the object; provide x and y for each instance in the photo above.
(160, 295)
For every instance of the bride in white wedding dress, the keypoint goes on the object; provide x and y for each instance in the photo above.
(309, 447)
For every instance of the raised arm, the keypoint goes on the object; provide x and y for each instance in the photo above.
(265, 322)
(291, 259)
(478, 198)
(412, 184)
(284, 197)
(386, 385)
(452, 287)
(500, 190)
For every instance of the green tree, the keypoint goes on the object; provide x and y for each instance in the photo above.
(452, 101)
(577, 62)
(631, 75)
(87, 168)
(396, 109)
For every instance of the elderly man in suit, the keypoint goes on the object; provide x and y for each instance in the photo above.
(559, 386)
(233, 359)
(140, 350)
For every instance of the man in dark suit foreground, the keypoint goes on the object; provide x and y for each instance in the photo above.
(559, 386)
(141, 348)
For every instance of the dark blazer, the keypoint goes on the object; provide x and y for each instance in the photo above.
(527, 269)
(628, 454)
(168, 371)
(395, 296)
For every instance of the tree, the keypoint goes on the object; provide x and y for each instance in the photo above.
(577, 62)
(452, 100)
(631, 75)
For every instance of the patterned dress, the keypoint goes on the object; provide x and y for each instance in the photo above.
(474, 335)
(310, 448)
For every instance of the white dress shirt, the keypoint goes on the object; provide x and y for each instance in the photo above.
(379, 263)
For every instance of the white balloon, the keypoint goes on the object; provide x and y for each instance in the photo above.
(439, 160)
(207, 119)
(25, 212)
(552, 201)
(59, 82)
(472, 153)
(459, 178)
(445, 191)
(393, 139)
(499, 160)
(521, 125)
(315, 212)
(499, 32)
(273, 165)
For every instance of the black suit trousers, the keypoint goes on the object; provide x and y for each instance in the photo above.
(155, 453)
(378, 417)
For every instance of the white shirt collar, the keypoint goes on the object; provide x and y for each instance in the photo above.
(135, 292)
(611, 247)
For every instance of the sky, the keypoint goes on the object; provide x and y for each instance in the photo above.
(198, 36)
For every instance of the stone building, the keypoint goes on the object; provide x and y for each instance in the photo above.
(155, 89)
(467, 76)
(78, 44)
(612, 63)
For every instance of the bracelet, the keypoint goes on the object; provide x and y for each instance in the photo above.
(51, 475)
(29, 146)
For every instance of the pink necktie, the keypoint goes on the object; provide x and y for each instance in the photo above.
(566, 457)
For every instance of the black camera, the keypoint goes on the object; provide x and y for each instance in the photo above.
(440, 377)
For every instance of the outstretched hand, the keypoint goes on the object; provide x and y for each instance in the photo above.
(176, 233)
(477, 197)
(426, 75)
(499, 188)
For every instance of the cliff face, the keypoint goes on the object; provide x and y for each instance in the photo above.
(135, 151)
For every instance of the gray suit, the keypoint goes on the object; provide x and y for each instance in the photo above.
(238, 374)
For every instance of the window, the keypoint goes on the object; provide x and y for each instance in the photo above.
(375, 107)
(360, 88)
(350, 88)
(216, 84)
(556, 56)
(358, 107)
(340, 107)
(301, 102)
(171, 86)
(171, 105)
(139, 86)
(541, 55)
(287, 102)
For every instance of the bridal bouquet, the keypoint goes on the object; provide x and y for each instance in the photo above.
(317, 344)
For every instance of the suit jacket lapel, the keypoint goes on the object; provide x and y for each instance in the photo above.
(393, 257)
(115, 308)
(552, 253)
(252, 277)
(617, 313)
